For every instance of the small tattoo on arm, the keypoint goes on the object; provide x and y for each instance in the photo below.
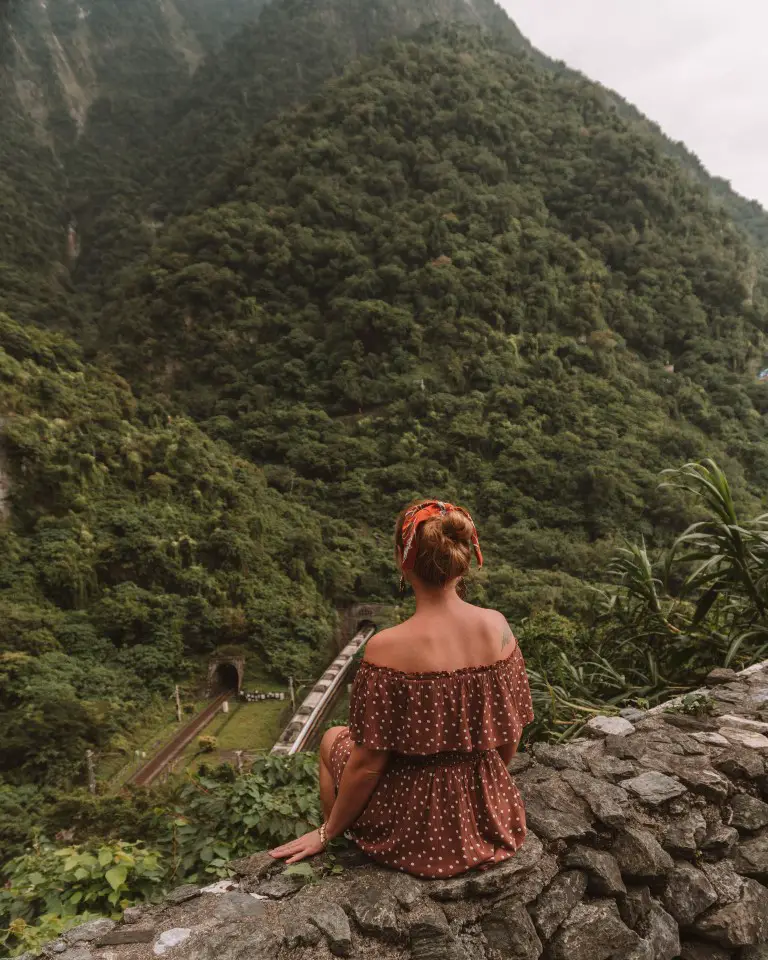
(507, 637)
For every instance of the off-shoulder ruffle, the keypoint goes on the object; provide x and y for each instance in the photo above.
(477, 708)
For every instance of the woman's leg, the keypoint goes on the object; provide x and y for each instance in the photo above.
(327, 784)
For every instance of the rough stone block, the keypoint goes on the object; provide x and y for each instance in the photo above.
(557, 901)
(605, 726)
(688, 893)
(654, 789)
(749, 813)
(510, 933)
(604, 876)
(640, 856)
(740, 924)
(593, 931)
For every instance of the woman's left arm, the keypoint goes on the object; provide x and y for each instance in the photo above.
(362, 773)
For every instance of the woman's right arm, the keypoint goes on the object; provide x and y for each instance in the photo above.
(507, 751)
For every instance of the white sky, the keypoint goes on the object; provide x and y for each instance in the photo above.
(698, 68)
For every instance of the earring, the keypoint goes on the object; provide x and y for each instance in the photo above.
(403, 585)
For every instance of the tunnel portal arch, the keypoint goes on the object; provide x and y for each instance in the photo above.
(225, 674)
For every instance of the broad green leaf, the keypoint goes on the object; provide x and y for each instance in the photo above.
(116, 877)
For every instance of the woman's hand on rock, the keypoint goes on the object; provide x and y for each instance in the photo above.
(307, 846)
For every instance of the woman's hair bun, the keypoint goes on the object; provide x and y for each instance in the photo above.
(442, 547)
(457, 526)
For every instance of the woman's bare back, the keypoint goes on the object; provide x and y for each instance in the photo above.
(450, 636)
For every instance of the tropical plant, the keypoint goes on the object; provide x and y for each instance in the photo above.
(218, 817)
(63, 882)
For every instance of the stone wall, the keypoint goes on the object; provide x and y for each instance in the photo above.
(648, 841)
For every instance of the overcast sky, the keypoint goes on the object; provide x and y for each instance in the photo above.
(699, 68)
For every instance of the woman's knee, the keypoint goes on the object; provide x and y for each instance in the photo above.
(326, 744)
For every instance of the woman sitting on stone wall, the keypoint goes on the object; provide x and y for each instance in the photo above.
(419, 778)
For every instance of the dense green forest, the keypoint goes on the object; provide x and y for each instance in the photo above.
(267, 274)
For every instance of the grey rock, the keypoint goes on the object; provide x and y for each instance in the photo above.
(602, 870)
(593, 931)
(559, 757)
(755, 953)
(281, 886)
(428, 921)
(723, 877)
(743, 723)
(169, 939)
(751, 857)
(640, 856)
(129, 934)
(608, 802)
(557, 901)
(301, 933)
(749, 813)
(230, 906)
(376, 913)
(257, 866)
(635, 906)
(510, 933)
(519, 763)
(654, 789)
(660, 930)
(181, 894)
(610, 768)
(134, 914)
(738, 763)
(554, 811)
(719, 676)
(87, 932)
(332, 922)
(605, 726)
(58, 946)
(407, 890)
(632, 714)
(230, 941)
(78, 952)
(526, 887)
(432, 939)
(746, 738)
(740, 924)
(703, 780)
(643, 951)
(710, 738)
(697, 950)
(720, 841)
(499, 878)
(688, 893)
(682, 837)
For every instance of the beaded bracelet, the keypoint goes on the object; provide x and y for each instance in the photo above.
(324, 835)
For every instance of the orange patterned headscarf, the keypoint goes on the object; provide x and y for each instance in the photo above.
(417, 514)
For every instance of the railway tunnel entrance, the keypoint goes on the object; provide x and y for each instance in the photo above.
(225, 675)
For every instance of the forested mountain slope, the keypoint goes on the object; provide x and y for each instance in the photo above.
(453, 270)
(84, 92)
(134, 543)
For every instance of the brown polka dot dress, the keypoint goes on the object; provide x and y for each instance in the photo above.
(446, 802)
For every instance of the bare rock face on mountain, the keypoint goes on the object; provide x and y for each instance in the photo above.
(600, 888)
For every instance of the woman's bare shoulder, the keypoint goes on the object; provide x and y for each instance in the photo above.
(385, 648)
(503, 639)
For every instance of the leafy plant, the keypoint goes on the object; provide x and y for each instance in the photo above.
(215, 820)
(694, 704)
(65, 882)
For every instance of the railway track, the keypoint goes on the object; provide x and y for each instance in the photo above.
(152, 768)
